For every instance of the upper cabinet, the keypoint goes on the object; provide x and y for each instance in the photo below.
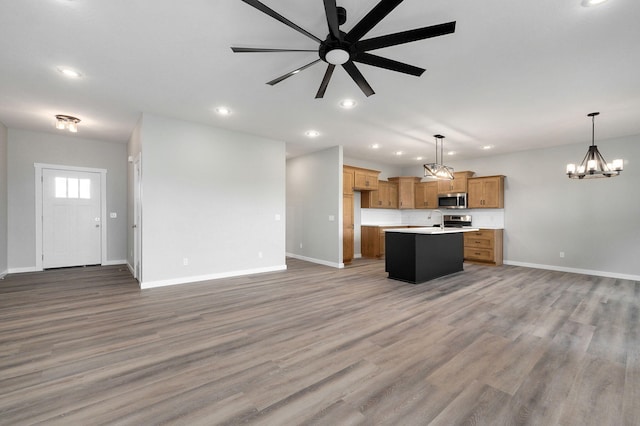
(486, 192)
(406, 191)
(458, 184)
(347, 181)
(364, 179)
(386, 197)
(426, 195)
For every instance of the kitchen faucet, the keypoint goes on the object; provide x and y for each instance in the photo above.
(441, 217)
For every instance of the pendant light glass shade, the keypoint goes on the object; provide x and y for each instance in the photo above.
(67, 122)
(593, 164)
(438, 170)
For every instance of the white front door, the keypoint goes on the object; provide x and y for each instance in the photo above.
(71, 224)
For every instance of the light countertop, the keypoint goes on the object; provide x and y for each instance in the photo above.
(433, 230)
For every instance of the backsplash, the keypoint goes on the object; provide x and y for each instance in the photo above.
(481, 218)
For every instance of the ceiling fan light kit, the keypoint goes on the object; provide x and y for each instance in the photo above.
(593, 164)
(345, 49)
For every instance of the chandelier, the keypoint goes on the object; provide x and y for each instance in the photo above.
(438, 170)
(593, 164)
(67, 122)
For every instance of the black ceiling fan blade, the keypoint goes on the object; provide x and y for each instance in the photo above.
(355, 74)
(389, 64)
(406, 36)
(331, 10)
(289, 74)
(262, 50)
(265, 9)
(371, 19)
(325, 81)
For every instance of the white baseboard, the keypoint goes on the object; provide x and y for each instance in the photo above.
(3, 274)
(22, 270)
(133, 272)
(574, 270)
(208, 277)
(114, 262)
(318, 261)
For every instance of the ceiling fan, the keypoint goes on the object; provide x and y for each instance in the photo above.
(340, 48)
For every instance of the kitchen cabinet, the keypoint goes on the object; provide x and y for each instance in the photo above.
(372, 240)
(483, 246)
(406, 191)
(347, 228)
(386, 197)
(486, 192)
(457, 185)
(363, 179)
(347, 181)
(426, 195)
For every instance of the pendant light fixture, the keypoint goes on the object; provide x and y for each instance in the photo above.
(593, 164)
(67, 122)
(438, 170)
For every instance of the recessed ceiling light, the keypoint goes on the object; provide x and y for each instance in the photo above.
(486, 147)
(587, 3)
(223, 111)
(347, 103)
(312, 133)
(375, 146)
(419, 158)
(398, 153)
(451, 153)
(71, 73)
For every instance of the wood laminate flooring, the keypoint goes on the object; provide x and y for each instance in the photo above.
(316, 345)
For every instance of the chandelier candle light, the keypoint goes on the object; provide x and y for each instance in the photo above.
(593, 164)
(438, 170)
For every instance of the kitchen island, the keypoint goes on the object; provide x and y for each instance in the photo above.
(416, 255)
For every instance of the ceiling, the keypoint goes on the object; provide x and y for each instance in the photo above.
(515, 75)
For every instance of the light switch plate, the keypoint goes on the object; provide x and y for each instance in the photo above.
(113, 215)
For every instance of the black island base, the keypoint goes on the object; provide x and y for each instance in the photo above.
(416, 258)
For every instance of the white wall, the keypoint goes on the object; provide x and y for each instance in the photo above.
(596, 223)
(26, 148)
(314, 192)
(3, 201)
(210, 196)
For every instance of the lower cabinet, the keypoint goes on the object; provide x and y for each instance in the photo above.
(372, 240)
(483, 246)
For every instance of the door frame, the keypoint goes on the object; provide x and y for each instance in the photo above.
(137, 218)
(38, 210)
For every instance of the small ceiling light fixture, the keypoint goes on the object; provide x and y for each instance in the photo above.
(223, 111)
(593, 164)
(347, 103)
(67, 122)
(375, 146)
(398, 153)
(437, 169)
(487, 147)
(69, 72)
(312, 133)
(589, 3)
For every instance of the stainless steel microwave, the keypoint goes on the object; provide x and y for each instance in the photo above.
(452, 201)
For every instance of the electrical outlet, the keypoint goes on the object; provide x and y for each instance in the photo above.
(185, 261)
(561, 254)
(259, 255)
(331, 218)
(300, 245)
(277, 217)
